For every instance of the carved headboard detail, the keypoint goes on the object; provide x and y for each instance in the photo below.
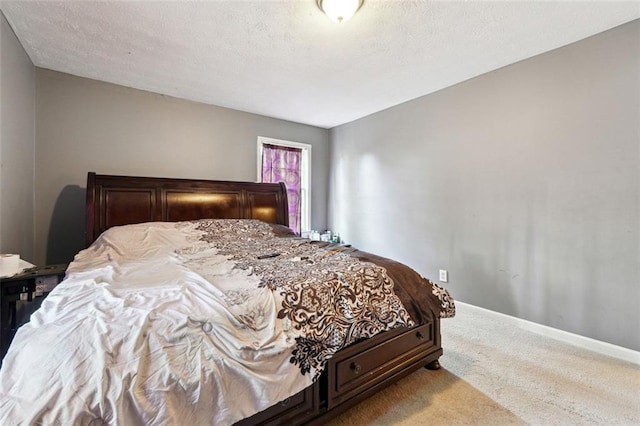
(122, 200)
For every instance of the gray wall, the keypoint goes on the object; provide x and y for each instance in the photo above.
(523, 183)
(17, 142)
(85, 125)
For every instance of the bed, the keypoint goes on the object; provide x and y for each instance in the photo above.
(219, 219)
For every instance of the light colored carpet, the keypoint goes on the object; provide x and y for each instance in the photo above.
(495, 373)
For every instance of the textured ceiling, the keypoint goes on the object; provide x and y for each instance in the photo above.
(285, 59)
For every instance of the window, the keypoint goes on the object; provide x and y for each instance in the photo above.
(288, 162)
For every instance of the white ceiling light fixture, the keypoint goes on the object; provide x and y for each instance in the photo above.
(339, 10)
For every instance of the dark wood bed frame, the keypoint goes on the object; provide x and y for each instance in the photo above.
(354, 373)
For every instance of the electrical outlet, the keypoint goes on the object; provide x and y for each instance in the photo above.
(46, 283)
(39, 288)
(444, 275)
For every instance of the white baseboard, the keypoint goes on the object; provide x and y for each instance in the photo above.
(598, 346)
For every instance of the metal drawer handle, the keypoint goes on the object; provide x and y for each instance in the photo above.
(419, 335)
(355, 367)
(285, 402)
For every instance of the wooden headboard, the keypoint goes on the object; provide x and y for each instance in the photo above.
(123, 200)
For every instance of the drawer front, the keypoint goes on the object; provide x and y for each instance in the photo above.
(358, 371)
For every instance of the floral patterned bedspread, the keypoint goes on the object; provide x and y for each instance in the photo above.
(203, 322)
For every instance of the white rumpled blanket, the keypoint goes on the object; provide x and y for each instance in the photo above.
(162, 323)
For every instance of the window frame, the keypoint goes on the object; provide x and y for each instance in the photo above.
(305, 177)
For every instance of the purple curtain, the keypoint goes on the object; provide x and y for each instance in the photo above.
(283, 164)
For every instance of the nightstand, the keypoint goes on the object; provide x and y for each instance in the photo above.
(21, 295)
